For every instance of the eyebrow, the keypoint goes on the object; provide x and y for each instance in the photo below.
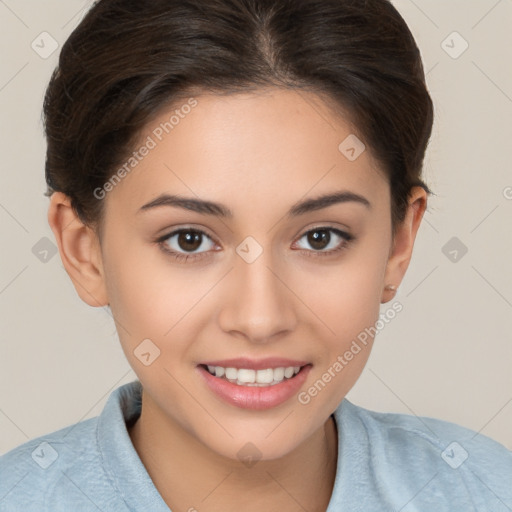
(219, 210)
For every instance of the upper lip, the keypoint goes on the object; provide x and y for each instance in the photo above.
(255, 364)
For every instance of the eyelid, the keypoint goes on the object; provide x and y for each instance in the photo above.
(185, 228)
(177, 255)
(344, 234)
(173, 231)
(325, 225)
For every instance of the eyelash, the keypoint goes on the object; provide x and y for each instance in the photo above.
(348, 238)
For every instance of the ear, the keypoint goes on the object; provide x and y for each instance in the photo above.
(79, 249)
(401, 250)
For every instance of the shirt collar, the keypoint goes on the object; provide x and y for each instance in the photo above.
(129, 476)
(120, 459)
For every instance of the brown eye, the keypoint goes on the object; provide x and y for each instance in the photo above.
(183, 244)
(319, 238)
(325, 237)
(189, 240)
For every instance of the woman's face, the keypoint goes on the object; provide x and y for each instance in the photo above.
(268, 280)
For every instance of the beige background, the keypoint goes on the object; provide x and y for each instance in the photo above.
(448, 354)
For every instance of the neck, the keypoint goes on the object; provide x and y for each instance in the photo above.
(189, 475)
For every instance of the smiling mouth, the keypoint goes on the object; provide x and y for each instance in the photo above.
(255, 378)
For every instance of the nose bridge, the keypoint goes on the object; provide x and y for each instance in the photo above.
(259, 304)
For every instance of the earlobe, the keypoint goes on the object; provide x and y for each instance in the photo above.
(79, 250)
(403, 244)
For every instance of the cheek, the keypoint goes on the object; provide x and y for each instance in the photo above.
(152, 298)
(346, 297)
(138, 292)
(349, 305)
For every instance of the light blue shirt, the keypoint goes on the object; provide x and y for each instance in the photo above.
(386, 462)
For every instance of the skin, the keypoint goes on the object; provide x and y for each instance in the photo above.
(258, 154)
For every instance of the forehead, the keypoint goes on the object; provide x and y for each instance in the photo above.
(267, 147)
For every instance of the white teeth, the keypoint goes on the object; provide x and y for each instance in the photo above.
(265, 376)
(231, 373)
(247, 377)
(278, 374)
(288, 372)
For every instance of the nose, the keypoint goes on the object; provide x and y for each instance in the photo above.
(257, 304)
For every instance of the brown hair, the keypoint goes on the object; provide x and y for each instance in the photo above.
(129, 59)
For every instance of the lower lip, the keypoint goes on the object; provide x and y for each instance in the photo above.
(255, 397)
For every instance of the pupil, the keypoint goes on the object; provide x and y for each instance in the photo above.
(319, 241)
(189, 237)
